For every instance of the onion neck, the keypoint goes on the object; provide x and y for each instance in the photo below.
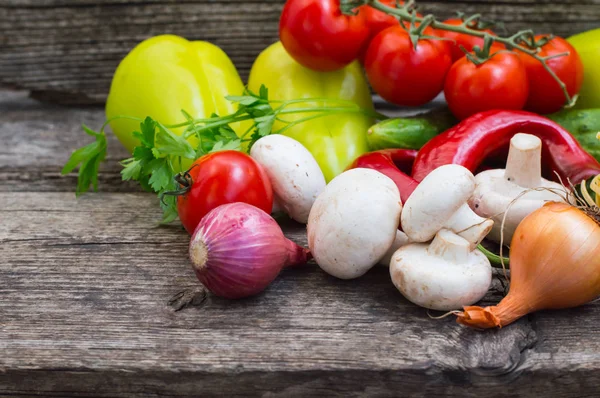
(503, 314)
(524, 163)
(297, 255)
(466, 223)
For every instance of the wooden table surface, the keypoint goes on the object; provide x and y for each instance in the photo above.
(89, 289)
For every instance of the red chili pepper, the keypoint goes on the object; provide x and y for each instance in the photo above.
(394, 163)
(471, 141)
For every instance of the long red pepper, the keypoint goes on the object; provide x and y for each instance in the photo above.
(394, 163)
(471, 141)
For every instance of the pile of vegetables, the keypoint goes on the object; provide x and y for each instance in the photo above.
(502, 164)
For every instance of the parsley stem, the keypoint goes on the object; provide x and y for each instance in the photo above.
(107, 122)
(293, 123)
(216, 123)
(355, 109)
(225, 120)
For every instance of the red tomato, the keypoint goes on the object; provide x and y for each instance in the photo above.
(461, 39)
(377, 21)
(220, 178)
(545, 94)
(499, 83)
(402, 74)
(317, 35)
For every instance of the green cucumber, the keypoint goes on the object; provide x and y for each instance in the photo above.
(584, 124)
(410, 132)
(413, 132)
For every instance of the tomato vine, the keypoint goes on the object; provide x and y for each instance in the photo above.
(523, 40)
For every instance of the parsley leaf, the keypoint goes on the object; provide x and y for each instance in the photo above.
(168, 143)
(264, 124)
(161, 174)
(169, 206)
(132, 169)
(148, 128)
(245, 100)
(88, 159)
(234, 145)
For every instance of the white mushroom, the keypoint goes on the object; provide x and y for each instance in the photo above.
(444, 275)
(354, 222)
(400, 240)
(496, 189)
(441, 201)
(294, 173)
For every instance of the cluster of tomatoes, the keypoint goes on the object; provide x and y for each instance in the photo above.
(411, 72)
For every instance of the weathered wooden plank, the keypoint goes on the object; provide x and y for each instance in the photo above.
(36, 140)
(87, 282)
(67, 50)
(84, 299)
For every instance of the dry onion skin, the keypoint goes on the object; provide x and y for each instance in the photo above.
(554, 262)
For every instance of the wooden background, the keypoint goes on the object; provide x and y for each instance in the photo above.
(67, 50)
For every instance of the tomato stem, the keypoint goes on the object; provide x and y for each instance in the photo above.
(185, 182)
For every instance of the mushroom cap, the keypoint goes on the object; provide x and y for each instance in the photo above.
(295, 175)
(494, 193)
(435, 200)
(440, 282)
(353, 222)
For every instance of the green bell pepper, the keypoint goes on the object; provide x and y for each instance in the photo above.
(166, 74)
(334, 140)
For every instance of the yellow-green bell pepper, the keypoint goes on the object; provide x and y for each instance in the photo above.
(587, 45)
(334, 140)
(166, 74)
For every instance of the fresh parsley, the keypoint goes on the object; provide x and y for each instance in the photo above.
(157, 160)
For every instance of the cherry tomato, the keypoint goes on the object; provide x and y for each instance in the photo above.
(377, 21)
(318, 36)
(402, 74)
(545, 94)
(461, 39)
(498, 83)
(220, 178)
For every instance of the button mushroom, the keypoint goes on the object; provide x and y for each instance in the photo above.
(496, 189)
(295, 175)
(354, 222)
(444, 275)
(400, 240)
(441, 201)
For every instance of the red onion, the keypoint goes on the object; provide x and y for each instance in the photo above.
(237, 250)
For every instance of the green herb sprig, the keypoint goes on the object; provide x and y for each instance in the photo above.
(160, 157)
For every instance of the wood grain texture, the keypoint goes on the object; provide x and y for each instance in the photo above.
(86, 287)
(67, 50)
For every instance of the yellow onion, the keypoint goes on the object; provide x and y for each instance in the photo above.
(554, 264)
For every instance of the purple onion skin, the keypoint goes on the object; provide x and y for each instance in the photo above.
(237, 250)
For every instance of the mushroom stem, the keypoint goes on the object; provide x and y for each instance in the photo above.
(524, 164)
(466, 223)
(450, 247)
